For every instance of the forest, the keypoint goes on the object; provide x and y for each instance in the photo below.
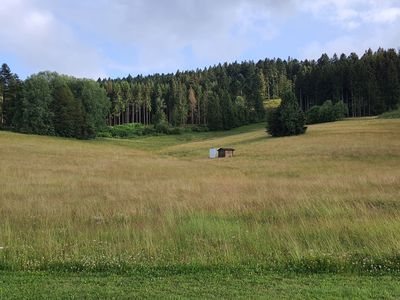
(220, 97)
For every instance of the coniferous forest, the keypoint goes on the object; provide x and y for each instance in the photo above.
(219, 97)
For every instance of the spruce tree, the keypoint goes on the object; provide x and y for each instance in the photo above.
(227, 111)
(10, 85)
(214, 112)
(288, 118)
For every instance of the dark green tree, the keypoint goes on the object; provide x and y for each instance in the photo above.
(160, 115)
(68, 115)
(37, 117)
(214, 112)
(10, 88)
(288, 119)
(95, 105)
(227, 111)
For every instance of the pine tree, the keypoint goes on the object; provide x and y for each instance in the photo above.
(10, 85)
(160, 116)
(227, 111)
(287, 119)
(258, 96)
(214, 112)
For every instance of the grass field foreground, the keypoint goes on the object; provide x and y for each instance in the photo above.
(327, 201)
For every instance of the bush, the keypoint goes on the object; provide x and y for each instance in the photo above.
(105, 133)
(394, 114)
(175, 130)
(287, 119)
(126, 130)
(313, 115)
(341, 110)
(134, 130)
(122, 131)
(162, 127)
(200, 128)
(327, 112)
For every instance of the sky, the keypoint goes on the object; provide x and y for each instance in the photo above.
(114, 38)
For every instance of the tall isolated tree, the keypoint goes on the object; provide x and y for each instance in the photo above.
(288, 118)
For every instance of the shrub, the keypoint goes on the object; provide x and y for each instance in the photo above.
(149, 131)
(287, 119)
(341, 110)
(175, 130)
(199, 128)
(122, 131)
(134, 130)
(327, 112)
(126, 130)
(105, 133)
(162, 127)
(313, 115)
(394, 114)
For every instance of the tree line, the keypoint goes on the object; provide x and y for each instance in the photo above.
(223, 96)
(369, 85)
(51, 104)
(230, 95)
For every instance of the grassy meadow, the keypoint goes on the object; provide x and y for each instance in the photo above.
(325, 202)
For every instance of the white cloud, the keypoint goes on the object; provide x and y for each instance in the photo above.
(385, 15)
(157, 33)
(387, 37)
(366, 24)
(41, 42)
(350, 14)
(91, 38)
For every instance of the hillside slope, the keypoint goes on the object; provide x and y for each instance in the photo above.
(325, 201)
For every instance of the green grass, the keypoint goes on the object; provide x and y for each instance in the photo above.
(225, 285)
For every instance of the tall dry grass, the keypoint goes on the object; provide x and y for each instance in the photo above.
(330, 195)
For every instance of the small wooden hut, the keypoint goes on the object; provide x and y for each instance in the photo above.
(225, 152)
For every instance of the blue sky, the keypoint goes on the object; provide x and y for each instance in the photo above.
(112, 38)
